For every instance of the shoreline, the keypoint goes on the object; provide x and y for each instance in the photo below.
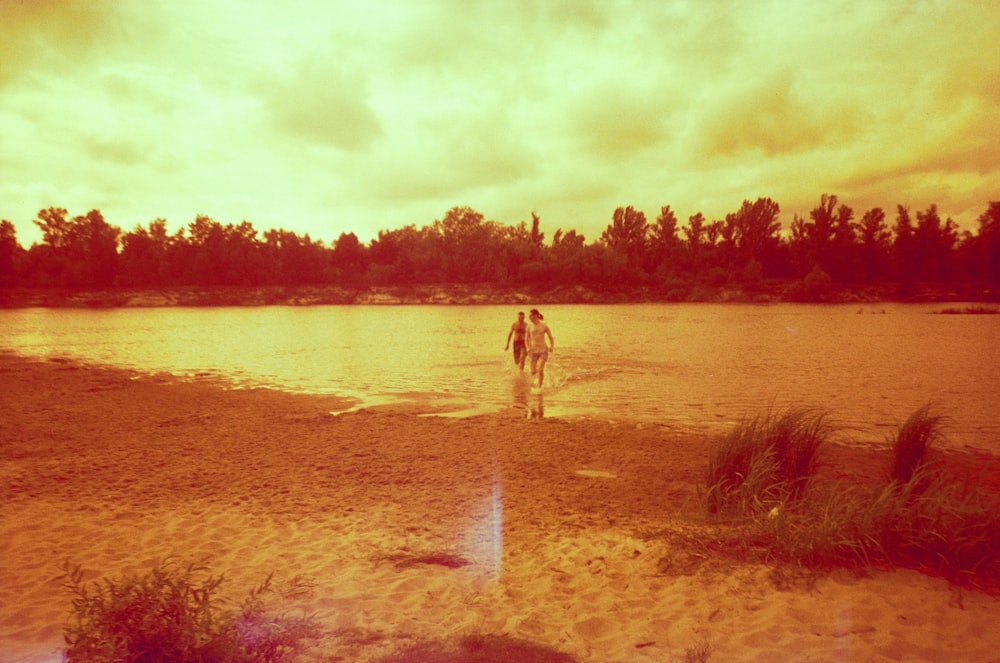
(468, 295)
(558, 522)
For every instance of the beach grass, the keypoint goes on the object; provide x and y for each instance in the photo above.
(765, 461)
(920, 517)
(912, 442)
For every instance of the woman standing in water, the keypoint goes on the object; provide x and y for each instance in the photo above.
(537, 348)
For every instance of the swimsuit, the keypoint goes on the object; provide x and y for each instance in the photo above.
(519, 346)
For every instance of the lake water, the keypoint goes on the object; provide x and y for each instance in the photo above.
(687, 366)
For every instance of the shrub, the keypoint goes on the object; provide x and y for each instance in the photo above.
(922, 518)
(913, 440)
(765, 462)
(172, 615)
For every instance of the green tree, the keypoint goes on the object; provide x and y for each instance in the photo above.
(754, 232)
(350, 260)
(984, 248)
(664, 244)
(77, 253)
(627, 233)
(292, 260)
(627, 242)
(828, 239)
(903, 249)
(10, 254)
(145, 256)
(876, 244)
(934, 244)
(568, 257)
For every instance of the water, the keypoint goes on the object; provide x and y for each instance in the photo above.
(688, 366)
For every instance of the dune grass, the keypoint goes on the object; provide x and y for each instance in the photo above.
(765, 462)
(918, 518)
(912, 442)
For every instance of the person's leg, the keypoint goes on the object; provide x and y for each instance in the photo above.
(541, 369)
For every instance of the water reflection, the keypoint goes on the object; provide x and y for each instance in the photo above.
(533, 404)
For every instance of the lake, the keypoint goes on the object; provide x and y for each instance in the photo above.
(685, 366)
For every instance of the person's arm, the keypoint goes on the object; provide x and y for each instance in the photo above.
(511, 333)
(552, 341)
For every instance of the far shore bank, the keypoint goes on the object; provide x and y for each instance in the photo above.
(465, 295)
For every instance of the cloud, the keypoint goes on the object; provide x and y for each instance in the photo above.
(321, 103)
(615, 120)
(774, 117)
(344, 116)
(41, 36)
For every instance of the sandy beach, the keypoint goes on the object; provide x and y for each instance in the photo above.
(553, 530)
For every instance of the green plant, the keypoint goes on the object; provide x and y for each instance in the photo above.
(698, 653)
(913, 440)
(923, 518)
(172, 614)
(764, 462)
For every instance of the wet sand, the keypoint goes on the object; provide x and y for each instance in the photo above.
(555, 528)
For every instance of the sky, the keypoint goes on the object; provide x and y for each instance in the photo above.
(328, 117)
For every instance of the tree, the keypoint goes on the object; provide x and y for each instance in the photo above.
(664, 243)
(145, 256)
(288, 259)
(903, 247)
(627, 233)
(828, 239)
(568, 257)
(467, 253)
(10, 253)
(754, 231)
(934, 244)
(537, 237)
(985, 246)
(844, 264)
(350, 259)
(876, 243)
(82, 252)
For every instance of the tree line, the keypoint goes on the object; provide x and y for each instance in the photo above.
(832, 247)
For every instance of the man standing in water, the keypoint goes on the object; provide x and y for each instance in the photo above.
(537, 331)
(517, 332)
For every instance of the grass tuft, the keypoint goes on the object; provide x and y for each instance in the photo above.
(765, 462)
(912, 442)
(921, 518)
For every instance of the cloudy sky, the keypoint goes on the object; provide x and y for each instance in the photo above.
(328, 117)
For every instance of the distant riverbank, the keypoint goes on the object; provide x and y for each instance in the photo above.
(450, 294)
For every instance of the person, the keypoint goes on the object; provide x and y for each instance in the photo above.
(517, 332)
(539, 350)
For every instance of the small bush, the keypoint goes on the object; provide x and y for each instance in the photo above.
(765, 462)
(922, 518)
(172, 615)
(913, 440)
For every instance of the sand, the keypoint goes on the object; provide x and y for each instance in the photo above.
(556, 527)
